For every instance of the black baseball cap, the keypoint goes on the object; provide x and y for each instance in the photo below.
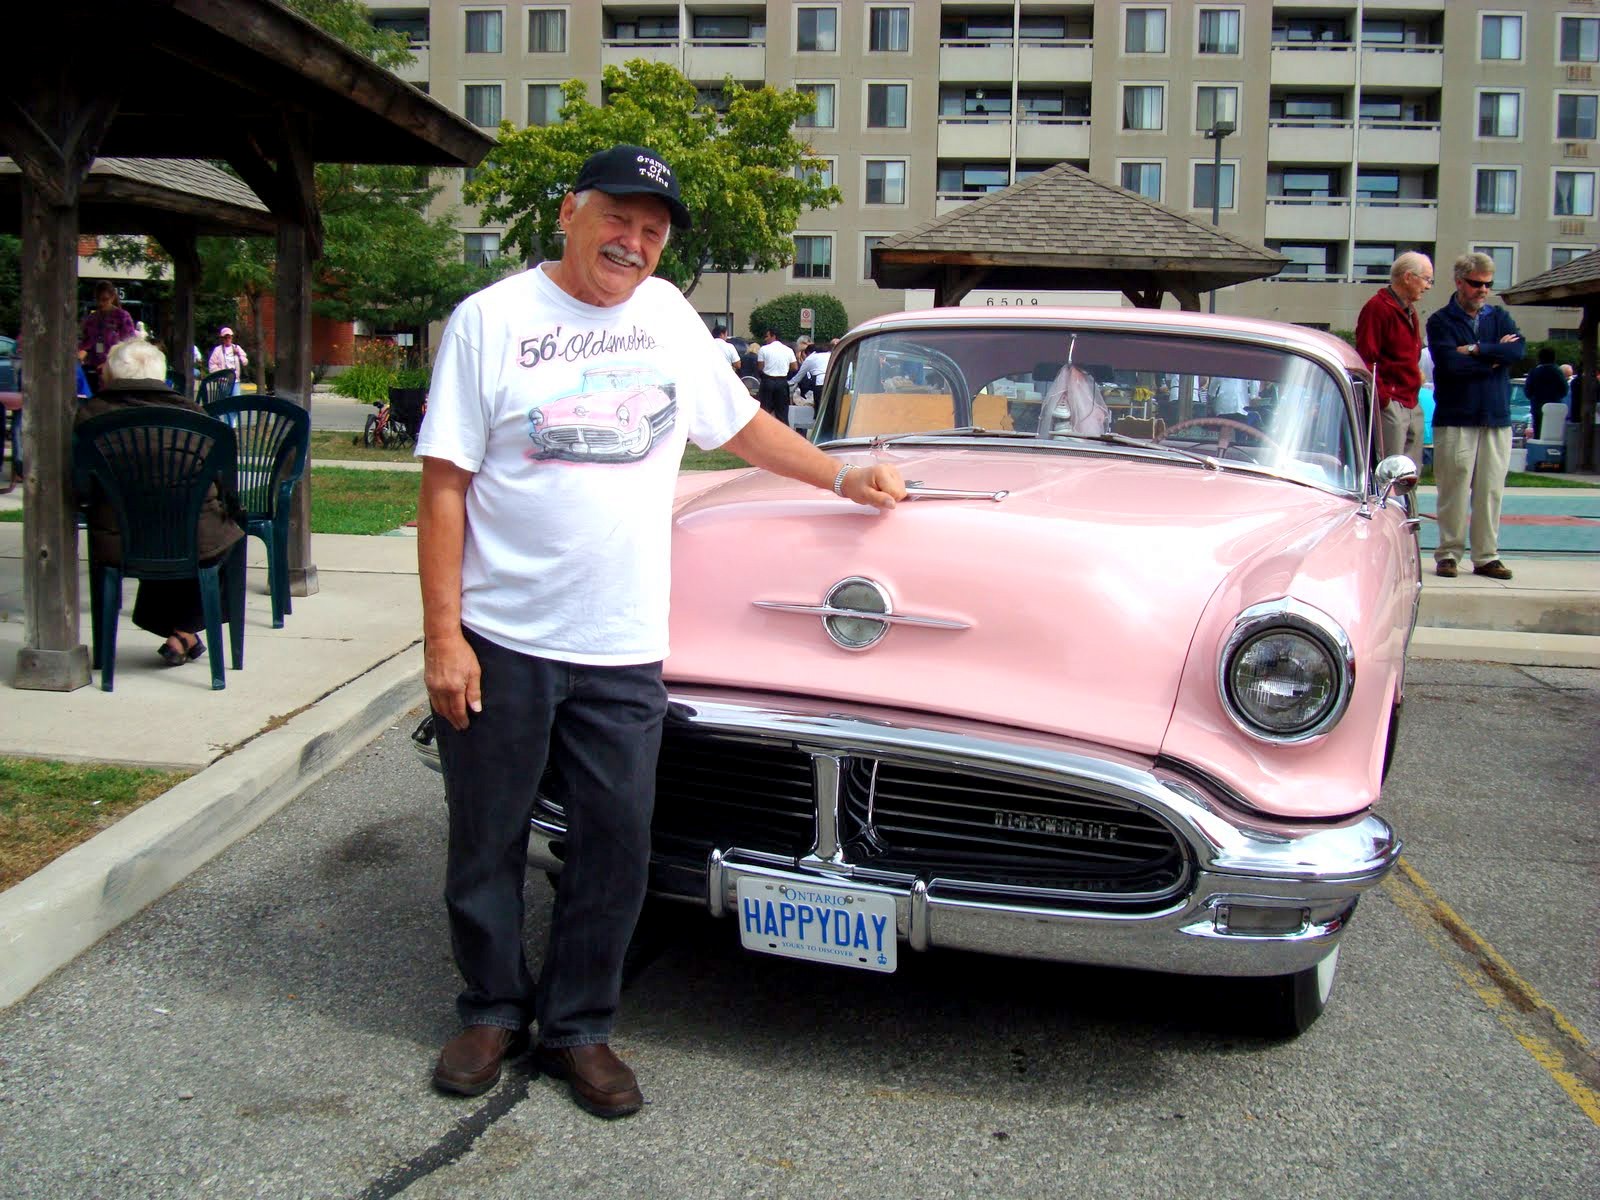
(634, 171)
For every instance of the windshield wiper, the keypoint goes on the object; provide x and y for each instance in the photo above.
(1121, 439)
(960, 431)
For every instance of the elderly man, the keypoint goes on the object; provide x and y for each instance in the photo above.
(1389, 340)
(1474, 346)
(544, 568)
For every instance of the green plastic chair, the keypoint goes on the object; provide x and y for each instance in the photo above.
(155, 466)
(214, 388)
(274, 438)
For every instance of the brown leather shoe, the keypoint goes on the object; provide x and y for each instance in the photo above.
(469, 1064)
(601, 1083)
(1494, 569)
(1445, 568)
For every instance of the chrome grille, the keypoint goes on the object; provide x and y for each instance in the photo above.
(581, 435)
(718, 793)
(962, 826)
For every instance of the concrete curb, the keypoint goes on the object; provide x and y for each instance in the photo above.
(1505, 646)
(58, 912)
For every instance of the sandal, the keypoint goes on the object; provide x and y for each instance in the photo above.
(176, 658)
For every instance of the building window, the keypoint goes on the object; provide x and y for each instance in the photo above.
(1321, 107)
(1496, 190)
(975, 102)
(1574, 194)
(822, 93)
(1143, 106)
(1377, 184)
(972, 179)
(1219, 31)
(1580, 39)
(1302, 30)
(1502, 38)
(867, 243)
(1312, 260)
(886, 181)
(1307, 183)
(1145, 31)
(483, 104)
(1575, 117)
(646, 29)
(817, 29)
(480, 249)
(889, 29)
(1560, 256)
(886, 105)
(1499, 114)
(484, 30)
(1378, 32)
(1372, 260)
(1205, 180)
(813, 256)
(547, 31)
(1215, 104)
(1144, 178)
(544, 104)
(1505, 259)
(822, 176)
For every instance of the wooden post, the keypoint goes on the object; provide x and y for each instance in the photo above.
(185, 282)
(291, 379)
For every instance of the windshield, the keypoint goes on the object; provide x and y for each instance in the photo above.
(1236, 402)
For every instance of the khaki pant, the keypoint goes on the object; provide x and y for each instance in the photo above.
(1400, 431)
(1469, 461)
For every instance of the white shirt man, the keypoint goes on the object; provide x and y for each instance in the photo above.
(808, 379)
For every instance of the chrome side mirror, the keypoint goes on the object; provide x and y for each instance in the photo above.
(1396, 475)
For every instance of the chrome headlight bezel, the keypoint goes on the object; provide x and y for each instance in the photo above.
(1293, 617)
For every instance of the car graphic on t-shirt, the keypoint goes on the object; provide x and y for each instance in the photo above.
(616, 415)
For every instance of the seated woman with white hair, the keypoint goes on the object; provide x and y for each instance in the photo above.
(135, 376)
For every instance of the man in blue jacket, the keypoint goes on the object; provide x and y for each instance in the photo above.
(1474, 346)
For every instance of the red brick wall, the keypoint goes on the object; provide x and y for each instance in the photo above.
(332, 342)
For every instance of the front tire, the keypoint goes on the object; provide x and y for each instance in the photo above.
(369, 435)
(1288, 1005)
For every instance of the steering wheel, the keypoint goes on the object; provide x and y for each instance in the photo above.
(1225, 423)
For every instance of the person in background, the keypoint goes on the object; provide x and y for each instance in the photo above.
(225, 356)
(777, 364)
(106, 325)
(726, 348)
(1389, 340)
(1545, 384)
(545, 588)
(808, 379)
(1474, 346)
(134, 376)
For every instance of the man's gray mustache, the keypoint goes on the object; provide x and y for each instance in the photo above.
(629, 258)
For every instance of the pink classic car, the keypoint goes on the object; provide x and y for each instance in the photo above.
(616, 415)
(1119, 686)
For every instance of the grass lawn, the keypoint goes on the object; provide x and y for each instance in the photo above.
(332, 445)
(46, 808)
(347, 500)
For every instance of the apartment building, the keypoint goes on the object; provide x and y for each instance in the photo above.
(1339, 134)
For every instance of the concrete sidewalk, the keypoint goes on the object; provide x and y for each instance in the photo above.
(348, 664)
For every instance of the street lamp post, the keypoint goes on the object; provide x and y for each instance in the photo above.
(1218, 131)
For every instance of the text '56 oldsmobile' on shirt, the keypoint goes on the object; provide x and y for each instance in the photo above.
(573, 419)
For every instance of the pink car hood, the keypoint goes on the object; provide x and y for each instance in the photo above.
(1082, 590)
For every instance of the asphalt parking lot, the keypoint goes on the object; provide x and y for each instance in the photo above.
(268, 1027)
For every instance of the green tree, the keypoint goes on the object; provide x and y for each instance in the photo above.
(351, 22)
(741, 172)
(10, 284)
(783, 314)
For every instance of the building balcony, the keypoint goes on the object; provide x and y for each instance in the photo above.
(1313, 64)
(1397, 220)
(965, 60)
(1310, 139)
(1052, 137)
(616, 52)
(1054, 61)
(1408, 67)
(1307, 219)
(1403, 143)
(708, 59)
(946, 202)
(417, 71)
(975, 137)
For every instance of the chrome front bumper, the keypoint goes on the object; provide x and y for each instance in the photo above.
(1265, 896)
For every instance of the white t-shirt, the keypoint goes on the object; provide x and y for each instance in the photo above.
(573, 420)
(813, 370)
(729, 351)
(776, 359)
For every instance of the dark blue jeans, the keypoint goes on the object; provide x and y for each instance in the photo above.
(600, 728)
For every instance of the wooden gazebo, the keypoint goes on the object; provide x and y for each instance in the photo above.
(243, 81)
(1064, 230)
(1573, 284)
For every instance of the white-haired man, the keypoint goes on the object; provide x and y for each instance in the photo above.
(1389, 340)
(544, 565)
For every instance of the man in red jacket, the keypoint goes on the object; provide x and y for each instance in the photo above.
(1389, 340)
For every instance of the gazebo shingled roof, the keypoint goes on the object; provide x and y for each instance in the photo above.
(136, 195)
(1575, 284)
(1064, 230)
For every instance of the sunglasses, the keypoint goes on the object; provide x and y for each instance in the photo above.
(1479, 283)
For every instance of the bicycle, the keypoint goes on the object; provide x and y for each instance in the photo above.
(378, 431)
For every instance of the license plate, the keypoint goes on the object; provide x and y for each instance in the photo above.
(818, 922)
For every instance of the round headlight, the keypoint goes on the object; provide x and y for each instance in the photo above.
(1287, 673)
(622, 413)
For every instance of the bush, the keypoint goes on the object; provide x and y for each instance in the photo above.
(783, 314)
(367, 382)
(1567, 351)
